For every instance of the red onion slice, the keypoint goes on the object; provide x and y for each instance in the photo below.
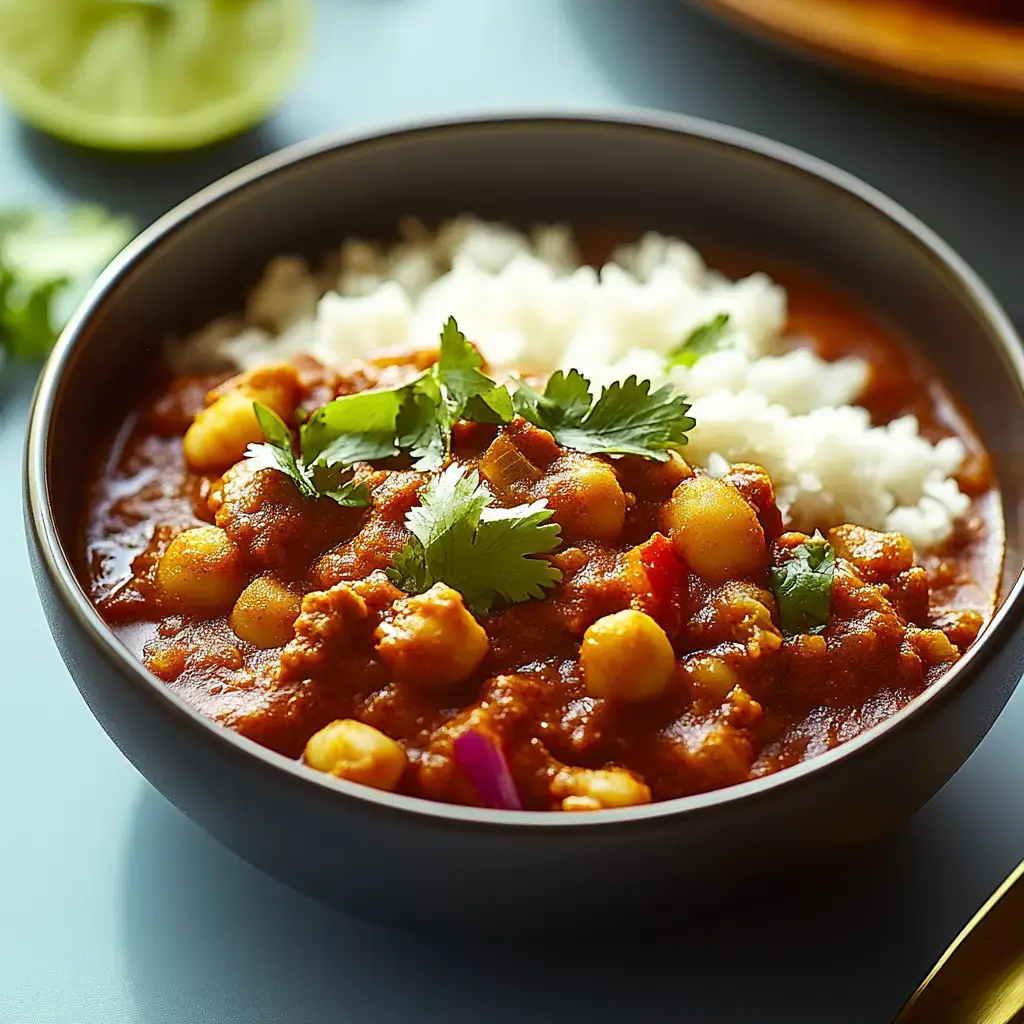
(483, 761)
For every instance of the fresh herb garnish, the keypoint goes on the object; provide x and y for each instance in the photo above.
(803, 587)
(353, 428)
(627, 419)
(469, 394)
(701, 341)
(416, 418)
(46, 265)
(484, 553)
(314, 479)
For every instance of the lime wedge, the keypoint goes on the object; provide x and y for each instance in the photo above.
(148, 74)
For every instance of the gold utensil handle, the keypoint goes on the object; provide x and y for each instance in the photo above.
(980, 978)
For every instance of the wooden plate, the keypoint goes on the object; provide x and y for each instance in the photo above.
(907, 42)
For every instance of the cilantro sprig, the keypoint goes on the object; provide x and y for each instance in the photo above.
(487, 554)
(314, 479)
(701, 341)
(416, 418)
(803, 587)
(626, 419)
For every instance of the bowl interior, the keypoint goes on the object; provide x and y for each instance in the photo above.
(696, 185)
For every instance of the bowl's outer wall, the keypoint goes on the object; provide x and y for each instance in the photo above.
(392, 864)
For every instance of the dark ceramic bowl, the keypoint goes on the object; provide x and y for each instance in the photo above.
(395, 857)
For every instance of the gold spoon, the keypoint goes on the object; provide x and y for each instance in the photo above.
(980, 978)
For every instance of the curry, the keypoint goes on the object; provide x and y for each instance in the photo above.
(599, 628)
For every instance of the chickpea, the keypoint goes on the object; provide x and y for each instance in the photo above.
(582, 789)
(627, 656)
(356, 751)
(712, 676)
(431, 639)
(265, 613)
(221, 432)
(202, 571)
(275, 385)
(715, 530)
(587, 500)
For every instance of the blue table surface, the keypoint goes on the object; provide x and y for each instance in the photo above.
(115, 908)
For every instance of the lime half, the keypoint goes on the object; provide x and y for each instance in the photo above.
(148, 74)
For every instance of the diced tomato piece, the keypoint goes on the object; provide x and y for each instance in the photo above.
(666, 582)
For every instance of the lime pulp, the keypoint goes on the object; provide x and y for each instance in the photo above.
(148, 74)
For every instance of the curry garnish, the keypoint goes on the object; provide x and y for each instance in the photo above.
(416, 418)
(701, 341)
(484, 553)
(314, 479)
(626, 419)
(803, 587)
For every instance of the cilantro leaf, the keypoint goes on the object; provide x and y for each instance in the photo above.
(269, 456)
(505, 540)
(313, 480)
(627, 419)
(27, 325)
(423, 427)
(485, 554)
(565, 401)
(468, 393)
(416, 418)
(336, 482)
(494, 406)
(47, 263)
(460, 376)
(408, 569)
(353, 428)
(275, 431)
(701, 341)
(277, 452)
(803, 587)
(449, 502)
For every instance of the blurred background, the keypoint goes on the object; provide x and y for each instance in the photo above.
(113, 907)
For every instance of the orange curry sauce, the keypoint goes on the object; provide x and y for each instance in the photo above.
(744, 702)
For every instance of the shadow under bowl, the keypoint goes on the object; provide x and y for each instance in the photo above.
(396, 858)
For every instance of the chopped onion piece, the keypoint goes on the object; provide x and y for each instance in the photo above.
(504, 464)
(480, 756)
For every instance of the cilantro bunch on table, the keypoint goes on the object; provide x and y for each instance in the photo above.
(47, 263)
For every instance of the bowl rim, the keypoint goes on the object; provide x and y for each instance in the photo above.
(74, 601)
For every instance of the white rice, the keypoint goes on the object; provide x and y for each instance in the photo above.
(529, 304)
